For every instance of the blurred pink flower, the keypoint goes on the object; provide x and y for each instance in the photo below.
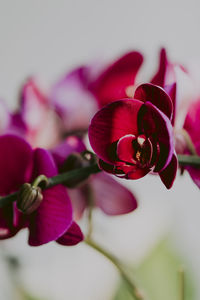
(178, 82)
(192, 126)
(73, 101)
(79, 94)
(36, 119)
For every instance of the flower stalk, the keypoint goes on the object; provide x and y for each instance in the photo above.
(181, 283)
(55, 180)
(192, 160)
(136, 294)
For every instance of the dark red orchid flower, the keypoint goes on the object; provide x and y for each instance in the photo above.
(133, 137)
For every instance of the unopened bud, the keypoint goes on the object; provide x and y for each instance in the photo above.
(29, 198)
(89, 157)
(77, 161)
(73, 161)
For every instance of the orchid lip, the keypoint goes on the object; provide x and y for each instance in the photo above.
(133, 150)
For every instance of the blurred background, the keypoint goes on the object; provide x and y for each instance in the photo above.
(46, 39)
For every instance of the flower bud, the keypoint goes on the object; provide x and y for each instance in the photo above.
(77, 161)
(89, 157)
(29, 198)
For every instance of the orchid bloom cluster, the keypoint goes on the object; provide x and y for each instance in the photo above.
(134, 128)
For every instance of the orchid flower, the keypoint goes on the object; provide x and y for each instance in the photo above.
(52, 219)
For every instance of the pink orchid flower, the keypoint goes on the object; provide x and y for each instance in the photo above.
(79, 94)
(36, 119)
(178, 82)
(192, 126)
(184, 91)
(52, 220)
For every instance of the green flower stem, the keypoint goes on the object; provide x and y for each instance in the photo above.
(76, 173)
(124, 274)
(191, 160)
(8, 199)
(58, 179)
(40, 179)
(181, 284)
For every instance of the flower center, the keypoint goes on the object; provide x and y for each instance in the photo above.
(143, 151)
(135, 150)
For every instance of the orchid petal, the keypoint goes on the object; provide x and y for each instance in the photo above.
(157, 96)
(125, 150)
(135, 172)
(194, 171)
(64, 149)
(33, 105)
(54, 216)
(152, 122)
(42, 126)
(111, 85)
(112, 197)
(169, 173)
(110, 124)
(79, 201)
(69, 94)
(159, 77)
(192, 122)
(72, 236)
(15, 163)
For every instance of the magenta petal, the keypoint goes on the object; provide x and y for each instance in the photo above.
(34, 105)
(136, 172)
(54, 216)
(123, 170)
(69, 94)
(157, 96)
(110, 124)
(112, 197)
(171, 90)
(113, 82)
(17, 125)
(195, 175)
(195, 172)
(125, 150)
(64, 149)
(72, 237)
(79, 201)
(15, 163)
(169, 173)
(192, 122)
(152, 122)
(159, 77)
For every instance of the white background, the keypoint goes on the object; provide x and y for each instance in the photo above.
(46, 38)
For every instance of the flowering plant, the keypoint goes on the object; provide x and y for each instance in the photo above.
(48, 178)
